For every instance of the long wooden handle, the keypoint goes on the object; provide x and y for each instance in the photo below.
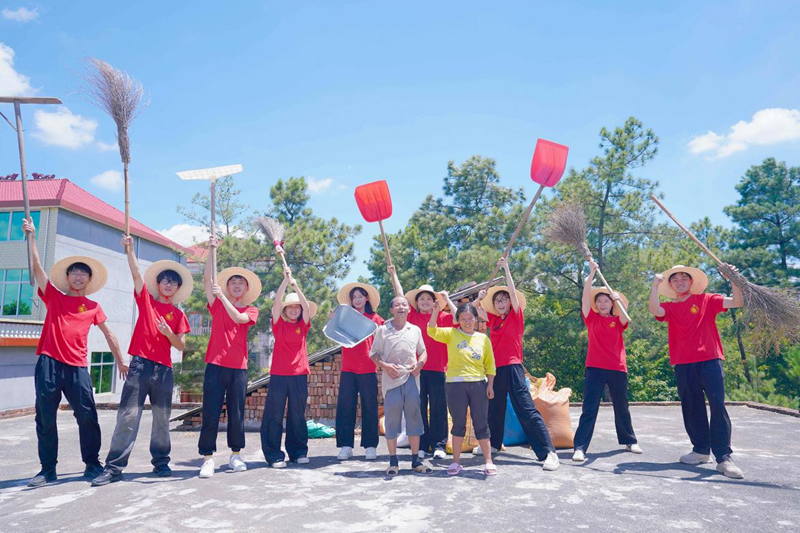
(213, 231)
(686, 230)
(283, 258)
(385, 244)
(608, 288)
(23, 173)
(127, 202)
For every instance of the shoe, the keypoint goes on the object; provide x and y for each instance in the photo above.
(302, 460)
(371, 454)
(207, 470)
(578, 456)
(105, 478)
(345, 453)
(551, 463)
(43, 478)
(694, 458)
(728, 469)
(236, 463)
(162, 471)
(278, 464)
(439, 454)
(633, 448)
(477, 450)
(421, 454)
(93, 470)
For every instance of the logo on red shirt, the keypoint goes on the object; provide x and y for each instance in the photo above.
(612, 325)
(169, 316)
(694, 309)
(82, 308)
(297, 331)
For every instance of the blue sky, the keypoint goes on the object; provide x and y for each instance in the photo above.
(349, 92)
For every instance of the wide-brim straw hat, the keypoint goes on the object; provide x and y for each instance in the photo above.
(293, 299)
(411, 296)
(699, 281)
(488, 302)
(603, 290)
(151, 279)
(253, 284)
(372, 294)
(58, 274)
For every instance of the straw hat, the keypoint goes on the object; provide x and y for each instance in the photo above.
(699, 281)
(58, 274)
(411, 296)
(151, 279)
(293, 299)
(488, 302)
(603, 290)
(372, 293)
(253, 284)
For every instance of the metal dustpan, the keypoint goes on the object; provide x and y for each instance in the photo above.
(348, 327)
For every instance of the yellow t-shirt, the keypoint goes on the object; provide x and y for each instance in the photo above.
(469, 357)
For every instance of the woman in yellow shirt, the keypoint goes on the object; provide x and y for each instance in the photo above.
(469, 380)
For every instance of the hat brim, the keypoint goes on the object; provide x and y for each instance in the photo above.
(151, 279)
(699, 281)
(253, 284)
(312, 307)
(488, 302)
(603, 290)
(58, 274)
(372, 294)
(411, 296)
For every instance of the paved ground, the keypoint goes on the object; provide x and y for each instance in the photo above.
(612, 491)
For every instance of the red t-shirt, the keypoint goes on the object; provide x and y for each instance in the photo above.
(147, 341)
(228, 343)
(692, 325)
(65, 333)
(290, 354)
(506, 336)
(437, 351)
(356, 359)
(606, 346)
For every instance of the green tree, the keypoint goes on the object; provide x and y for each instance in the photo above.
(229, 209)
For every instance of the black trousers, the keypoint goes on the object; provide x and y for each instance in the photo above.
(596, 379)
(432, 393)
(51, 378)
(693, 380)
(351, 386)
(510, 380)
(283, 390)
(228, 386)
(463, 395)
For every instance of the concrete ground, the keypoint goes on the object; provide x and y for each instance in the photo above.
(612, 491)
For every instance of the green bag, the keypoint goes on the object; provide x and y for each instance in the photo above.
(319, 431)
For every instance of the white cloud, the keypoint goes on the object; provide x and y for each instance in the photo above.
(316, 186)
(107, 147)
(12, 82)
(767, 127)
(186, 234)
(21, 14)
(110, 180)
(62, 128)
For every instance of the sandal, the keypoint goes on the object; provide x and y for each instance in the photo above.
(392, 471)
(490, 469)
(422, 468)
(454, 469)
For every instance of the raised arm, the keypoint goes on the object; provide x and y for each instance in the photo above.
(512, 290)
(437, 307)
(277, 305)
(655, 305)
(208, 272)
(302, 298)
(38, 272)
(398, 289)
(737, 299)
(450, 305)
(586, 299)
(133, 264)
(478, 301)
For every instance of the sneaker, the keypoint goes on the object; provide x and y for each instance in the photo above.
(162, 471)
(728, 469)
(43, 478)
(694, 458)
(278, 464)
(236, 463)
(477, 450)
(93, 470)
(371, 454)
(303, 460)
(345, 453)
(421, 454)
(633, 448)
(207, 470)
(105, 478)
(579, 456)
(439, 454)
(551, 463)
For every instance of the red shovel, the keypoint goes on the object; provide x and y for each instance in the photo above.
(547, 167)
(375, 204)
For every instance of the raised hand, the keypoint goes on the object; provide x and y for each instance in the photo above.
(127, 241)
(593, 265)
(163, 327)
(216, 290)
(213, 242)
(658, 279)
(28, 228)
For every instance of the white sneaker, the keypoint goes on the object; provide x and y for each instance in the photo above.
(578, 456)
(439, 454)
(236, 463)
(421, 454)
(278, 464)
(370, 454)
(728, 469)
(634, 448)
(477, 450)
(694, 458)
(551, 463)
(207, 470)
(302, 460)
(345, 453)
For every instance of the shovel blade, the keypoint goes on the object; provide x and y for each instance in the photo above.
(549, 162)
(374, 201)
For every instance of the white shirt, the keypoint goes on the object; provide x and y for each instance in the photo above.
(398, 347)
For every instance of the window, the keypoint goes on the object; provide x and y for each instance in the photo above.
(16, 293)
(11, 225)
(101, 369)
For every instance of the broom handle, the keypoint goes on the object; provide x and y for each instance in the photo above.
(516, 233)
(25, 202)
(608, 288)
(686, 230)
(283, 258)
(127, 202)
(385, 244)
(213, 231)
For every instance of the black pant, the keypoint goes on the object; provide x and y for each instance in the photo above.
(282, 390)
(228, 386)
(51, 378)
(432, 391)
(351, 386)
(145, 378)
(463, 395)
(693, 380)
(596, 379)
(510, 380)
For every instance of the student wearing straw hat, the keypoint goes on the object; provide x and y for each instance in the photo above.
(503, 307)
(432, 378)
(358, 378)
(605, 365)
(160, 327)
(695, 352)
(288, 384)
(62, 364)
(225, 380)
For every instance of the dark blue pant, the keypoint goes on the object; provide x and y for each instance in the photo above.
(145, 378)
(282, 390)
(51, 378)
(596, 379)
(351, 386)
(228, 386)
(432, 392)
(510, 380)
(693, 380)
